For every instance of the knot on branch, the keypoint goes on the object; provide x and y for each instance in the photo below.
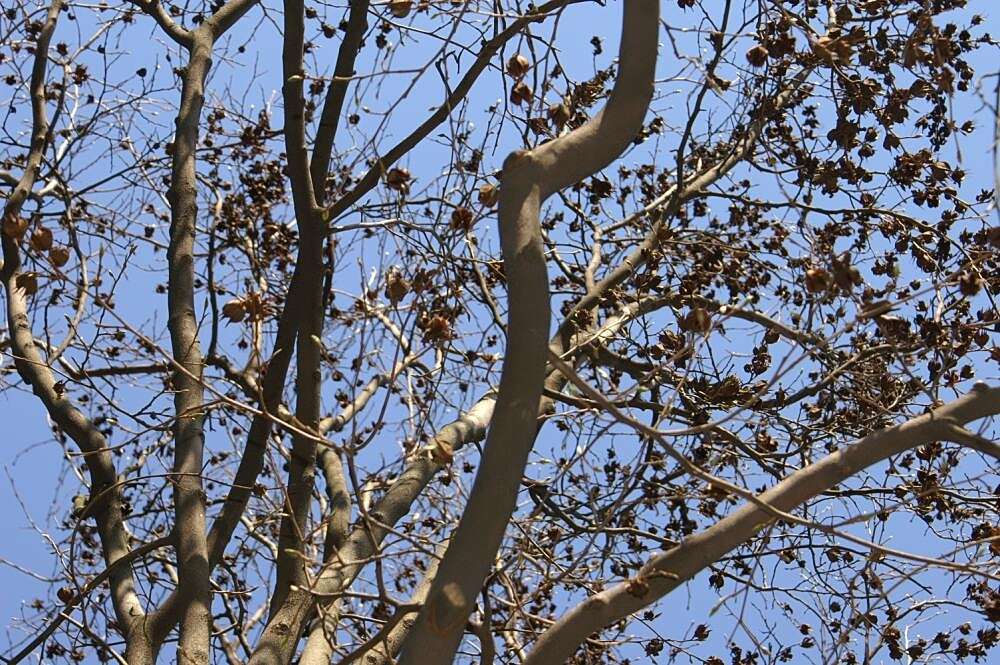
(447, 610)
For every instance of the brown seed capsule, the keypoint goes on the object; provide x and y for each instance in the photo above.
(940, 170)
(538, 125)
(461, 219)
(818, 280)
(59, 256)
(438, 329)
(521, 94)
(254, 305)
(41, 239)
(844, 274)
(14, 227)
(970, 284)
(559, 114)
(697, 320)
(65, 594)
(27, 282)
(400, 8)
(234, 310)
(398, 179)
(396, 287)
(489, 194)
(993, 237)
(518, 66)
(757, 56)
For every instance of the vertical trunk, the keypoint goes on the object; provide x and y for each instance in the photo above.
(189, 438)
(302, 466)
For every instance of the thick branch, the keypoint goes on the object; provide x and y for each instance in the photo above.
(189, 437)
(668, 570)
(333, 106)
(668, 203)
(528, 179)
(156, 10)
(105, 505)
(227, 16)
(490, 48)
(278, 647)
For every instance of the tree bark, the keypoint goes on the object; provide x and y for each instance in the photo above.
(105, 492)
(189, 437)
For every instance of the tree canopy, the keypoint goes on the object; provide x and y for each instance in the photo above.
(465, 331)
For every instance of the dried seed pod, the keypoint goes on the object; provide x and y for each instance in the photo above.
(518, 66)
(462, 219)
(27, 282)
(398, 179)
(14, 227)
(396, 286)
(400, 8)
(489, 195)
(993, 236)
(970, 283)
(818, 280)
(437, 329)
(41, 239)
(234, 310)
(521, 94)
(697, 320)
(539, 125)
(255, 306)
(844, 274)
(58, 256)
(560, 114)
(757, 56)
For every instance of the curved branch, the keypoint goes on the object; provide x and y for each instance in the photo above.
(668, 570)
(670, 201)
(155, 10)
(106, 504)
(528, 179)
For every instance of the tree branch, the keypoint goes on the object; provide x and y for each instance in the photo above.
(528, 179)
(333, 106)
(106, 503)
(189, 436)
(668, 570)
(490, 48)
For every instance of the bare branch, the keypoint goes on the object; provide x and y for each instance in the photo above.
(528, 179)
(668, 570)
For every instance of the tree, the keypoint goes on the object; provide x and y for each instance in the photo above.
(765, 232)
